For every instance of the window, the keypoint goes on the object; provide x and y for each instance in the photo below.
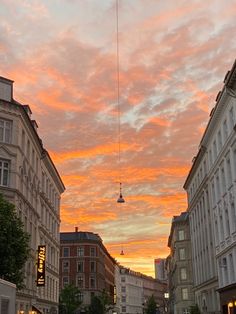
(5, 131)
(182, 254)
(122, 279)
(181, 235)
(219, 140)
(233, 216)
(80, 296)
(66, 251)
(80, 251)
(92, 266)
(80, 267)
(123, 299)
(92, 251)
(92, 282)
(231, 118)
(4, 306)
(183, 273)
(184, 293)
(214, 150)
(65, 281)
(225, 127)
(80, 281)
(65, 266)
(4, 172)
(123, 309)
(123, 289)
(229, 172)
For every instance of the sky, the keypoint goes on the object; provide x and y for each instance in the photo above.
(173, 56)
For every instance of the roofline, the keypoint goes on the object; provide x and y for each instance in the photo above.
(230, 77)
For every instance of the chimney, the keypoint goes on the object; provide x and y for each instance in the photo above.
(76, 229)
(6, 89)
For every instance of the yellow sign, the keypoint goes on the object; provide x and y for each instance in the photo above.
(41, 266)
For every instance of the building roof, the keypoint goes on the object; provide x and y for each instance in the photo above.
(79, 235)
(177, 219)
(229, 83)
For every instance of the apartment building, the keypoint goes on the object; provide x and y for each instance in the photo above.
(29, 180)
(134, 290)
(180, 278)
(211, 190)
(86, 263)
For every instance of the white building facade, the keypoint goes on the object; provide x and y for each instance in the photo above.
(211, 190)
(29, 179)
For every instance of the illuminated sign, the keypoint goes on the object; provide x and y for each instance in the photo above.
(41, 266)
(115, 296)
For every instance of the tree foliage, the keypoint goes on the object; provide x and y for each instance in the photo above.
(14, 244)
(100, 304)
(151, 305)
(69, 299)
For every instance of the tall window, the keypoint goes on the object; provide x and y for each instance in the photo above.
(219, 140)
(80, 281)
(231, 118)
(80, 251)
(92, 282)
(80, 296)
(66, 251)
(183, 273)
(229, 172)
(5, 131)
(65, 281)
(92, 266)
(65, 266)
(181, 235)
(182, 255)
(233, 216)
(227, 226)
(80, 267)
(225, 127)
(92, 251)
(184, 293)
(4, 172)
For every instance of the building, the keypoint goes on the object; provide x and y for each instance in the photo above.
(86, 263)
(160, 270)
(7, 297)
(211, 190)
(29, 180)
(131, 294)
(136, 288)
(179, 262)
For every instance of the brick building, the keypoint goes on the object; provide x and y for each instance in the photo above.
(86, 263)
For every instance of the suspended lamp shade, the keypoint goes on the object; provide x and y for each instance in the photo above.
(120, 199)
(122, 252)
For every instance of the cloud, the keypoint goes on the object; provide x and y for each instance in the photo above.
(173, 58)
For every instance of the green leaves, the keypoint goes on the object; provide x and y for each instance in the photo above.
(14, 244)
(69, 299)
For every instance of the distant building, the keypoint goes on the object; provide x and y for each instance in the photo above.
(29, 180)
(211, 190)
(180, 280)
(136, 288)
(86, 263)
(160, 271)
(7, 297)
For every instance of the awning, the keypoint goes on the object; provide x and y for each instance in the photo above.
(34, 308)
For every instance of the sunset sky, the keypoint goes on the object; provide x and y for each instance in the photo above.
(173, 59)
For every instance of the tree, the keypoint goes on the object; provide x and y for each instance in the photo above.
(14, 244)
(151, 305)
(101, 304)
(96, 306)
(69, 299)
(194, 309)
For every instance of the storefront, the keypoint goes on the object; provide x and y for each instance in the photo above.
(228, 299)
